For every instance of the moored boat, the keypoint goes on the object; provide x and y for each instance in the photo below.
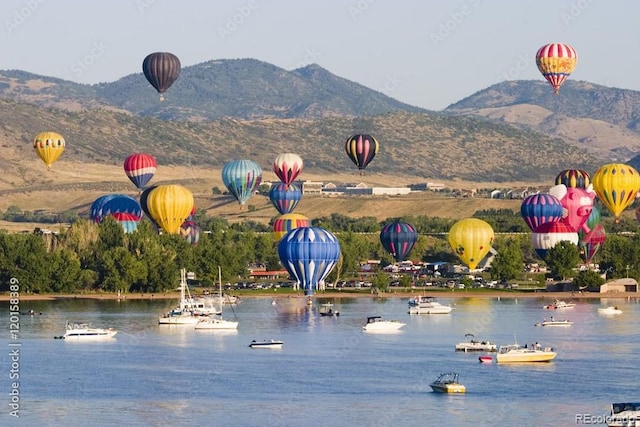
(84, 331)
(186, 312)
(485, 359)
(378, 324)
(427, 305)
(624, 415)
(554, 322)
(448, 383)
(475, 345)
(514, 353)
(327, 310)
(266, 344)
(216, 321)
(559, 304)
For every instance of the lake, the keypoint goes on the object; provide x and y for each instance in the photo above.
(328, 372)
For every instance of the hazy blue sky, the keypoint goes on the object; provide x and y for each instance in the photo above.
(429, 53)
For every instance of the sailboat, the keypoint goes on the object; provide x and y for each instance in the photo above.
(184, 313)
(217, 322)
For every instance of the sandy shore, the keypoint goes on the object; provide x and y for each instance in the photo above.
(335, 294)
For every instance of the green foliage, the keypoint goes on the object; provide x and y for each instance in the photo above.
(562, 259)
(589, 280)
(508, 264)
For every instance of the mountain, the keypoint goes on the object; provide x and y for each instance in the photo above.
(241, 88)
(600, 120)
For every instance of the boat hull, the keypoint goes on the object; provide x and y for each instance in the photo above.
(448, 388)
(266, 344)
(526, 357)
(178, 320)
(209, 324)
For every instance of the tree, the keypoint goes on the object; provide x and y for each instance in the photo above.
(562, 259)
(589, 280)
(380, 281)
(508, 263)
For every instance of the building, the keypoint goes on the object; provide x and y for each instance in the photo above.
(620, 285)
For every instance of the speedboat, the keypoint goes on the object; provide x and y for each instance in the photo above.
(475, 345)
(559, 304)
(266, 344)
(378, 324)
(84, 331)
(514, 353)
(327, 310)
(448, 383)
(624, 415)
(427, 305)
(554, 322)
(612, 310)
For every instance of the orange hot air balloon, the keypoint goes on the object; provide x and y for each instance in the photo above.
(49, 146)
(170, 206)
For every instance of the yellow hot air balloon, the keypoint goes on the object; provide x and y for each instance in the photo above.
(170, 206)
(471, 240)
(617, 185)
(49, 146)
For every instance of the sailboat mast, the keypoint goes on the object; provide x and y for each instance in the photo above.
(220, 287)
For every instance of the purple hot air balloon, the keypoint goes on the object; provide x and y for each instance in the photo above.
(538, 209)
(398, 239)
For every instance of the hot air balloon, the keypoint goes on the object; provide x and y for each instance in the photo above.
(287, 167)
(471, 240)
(161, 69)
(577, 204)
(540, 208)
(617, 185)
(309, 254)
(285, 197)
(556, 61)
(140, 168)
(549, 234)
(144, 195)
(361, 149)
(574, 178)
(190, 231)
(49, 146)
(287, 222)
(124, 209)
(398, 239)
(170, 206)
(591, 243)
(242, 178)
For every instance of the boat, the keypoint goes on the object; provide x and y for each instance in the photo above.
(216, 321)
(185, 312)
(554, 322)
(475, 345)
(559, 304)
(610, 310)
(84, 331)
(448, 383)
(514, 353)
(427, 305)
(624, 415)
(485, 359)
(327, 310)
(266, 344)
(378, 324)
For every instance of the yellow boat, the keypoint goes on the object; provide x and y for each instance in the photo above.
(448, 383)
(514, 353)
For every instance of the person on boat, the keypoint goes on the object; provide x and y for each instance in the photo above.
(537, 346)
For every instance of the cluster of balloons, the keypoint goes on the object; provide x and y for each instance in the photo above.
(285, 195)
(471, 240)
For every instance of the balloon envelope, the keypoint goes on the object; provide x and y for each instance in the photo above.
(471, 240)
(124, 209)
(170, 206)
(617, 185)
(309, 253)
(242, 178)
(549, 234)
(361, 149)
(287, 222)
(540, 208)
(48, 146)
(573, 178)
(398, 239)
(140, 168)
(285, 197)
(556, 61)
(161, 69)
(591, 243)
(190, 231)
(287, 167)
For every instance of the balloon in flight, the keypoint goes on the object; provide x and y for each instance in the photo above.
(285, 197)
(398, 238)
(549, 234)
(140, 168)
(590, 243)
(161, 69)
(471, 240)
(49, 146)
(574, 178)
(361, 149)
(556, 61)
(617, 185)
(170, 206)
(287, 167)
(287, 222)
(190, 231)
(537, 209)
(242, 178)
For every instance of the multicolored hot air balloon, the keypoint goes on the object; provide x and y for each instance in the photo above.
(398, 239)
(242, 178)
(361, 149)
(537, 209)
(49, 146)
(170, 206)
(591, 243)
(617, 185)
(577, 204)
(549, 234)
(140, 168)
(471, 240)
(556, 61)
(285, 197)
(309, 254)
(161, 69)
(574, 178)
(287, 222)
(287, 167)
(124, 209)
(190, 231)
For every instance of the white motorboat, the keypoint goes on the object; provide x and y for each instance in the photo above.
(427, 305)
(217, 322)
(514, 353)
(475, 345)
(554, 322)
(448, 383)
(378, 324)
(624, 415)
(559, 304)
(84, 331)
(185, 313)
(266, 344)
(612, 310)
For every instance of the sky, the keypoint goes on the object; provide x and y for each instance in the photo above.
(427, 53)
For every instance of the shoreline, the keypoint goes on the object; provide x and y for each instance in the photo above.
(338, 294)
